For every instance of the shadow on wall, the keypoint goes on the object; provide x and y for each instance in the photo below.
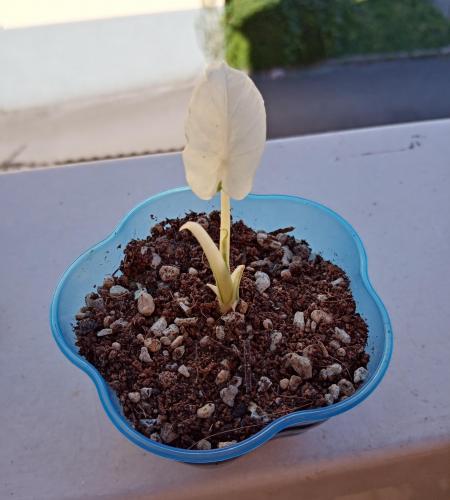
(263, 34)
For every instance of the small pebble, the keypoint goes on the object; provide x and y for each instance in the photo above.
(210, 321)
(205, 341)
(334, 344)
(192, 271)
(153, 345)
(322, 297)
(256, 413)
(222, 377)
(220, 332)
(94, 302)
(146, 304)
(203, 221)
(313, 326)
(183, 370)
(171, 331)
(134, 397)
(320, 316)
(185, 321)
(284, 383)
(285, 275)
(236, 381)
(242, 307)
(104, 332)
(275, 339)
(178, 353)
(346, 387)
(108, 282)
(166, 353)
(140, 338)
(261, 238)
(119, 325)
(159, 326)
(360, 375)
(81, 315)
(299, 320)
(341, 352)
(167, 433)
(117, 291)
(337, 282)
(264, 384)
(169, 273)
(287, 256)
(233, 317)
(206, 410)
(301, 364)
(177, 342)
(282, 238)
(225, 363)
(154, 436)
(329, 399)
(294, 383)
(149, 423)
(331, 371)
(228, 394)
(262, 281)
(342, 335)
(225, 444)
(165, 341)
(267, 324)
(156, 260)
(146, 392)
(144, 355)
(203, 444)
(334, 391)
(116, 346)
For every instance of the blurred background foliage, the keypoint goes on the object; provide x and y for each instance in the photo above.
(264, 34)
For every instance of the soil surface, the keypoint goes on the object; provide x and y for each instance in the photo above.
(191, 377)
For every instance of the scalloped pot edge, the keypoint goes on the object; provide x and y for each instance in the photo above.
(299, 418)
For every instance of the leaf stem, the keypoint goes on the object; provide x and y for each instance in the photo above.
(225, 227)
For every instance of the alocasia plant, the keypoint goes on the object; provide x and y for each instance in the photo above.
(225, 138)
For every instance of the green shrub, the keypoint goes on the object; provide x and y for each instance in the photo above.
(262, 34)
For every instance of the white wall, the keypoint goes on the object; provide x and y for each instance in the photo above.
(44, 65)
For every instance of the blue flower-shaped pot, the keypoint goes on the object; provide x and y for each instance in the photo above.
(327, 233)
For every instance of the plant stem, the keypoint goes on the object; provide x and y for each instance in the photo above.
(225, 227)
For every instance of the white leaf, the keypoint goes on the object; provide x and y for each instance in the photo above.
(225, 133)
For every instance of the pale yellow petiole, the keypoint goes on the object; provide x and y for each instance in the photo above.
(227, 285)
(225, 227)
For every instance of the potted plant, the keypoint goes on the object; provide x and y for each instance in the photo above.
(201, 351)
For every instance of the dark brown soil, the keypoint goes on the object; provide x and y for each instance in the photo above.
(162, 402)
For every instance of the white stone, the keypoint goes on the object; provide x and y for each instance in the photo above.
(178, 352)
(342, 335)
(360, 375)
(334, 391)
(203, 444)
(146, 392)
(177, 342)
(220, 332)
(144, 355)
(320, 316)
(183, 370)
(159, 326)
(222, 377)
(341, 352)
(301, 364)
(264, 383)
(169, 273)
(153, 344)
(331, 371)
(261, 238)
(337, 282)
(346, 387)
(192, 271)
(233, 317)
(104, 332)
(206, 410)
(262, 281)
(299, 320)
(117, 291)
(156, 260)
(285, 275)
(284, 383)
(168, 433)
(134, 397)
(256, 413)
(275, 339)
(171, 331)
(185, 321)
(205, 341)
(116, 346)
(146, 304)
(228, 394)
(294, 382)
(225, 444)
(287, 256)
